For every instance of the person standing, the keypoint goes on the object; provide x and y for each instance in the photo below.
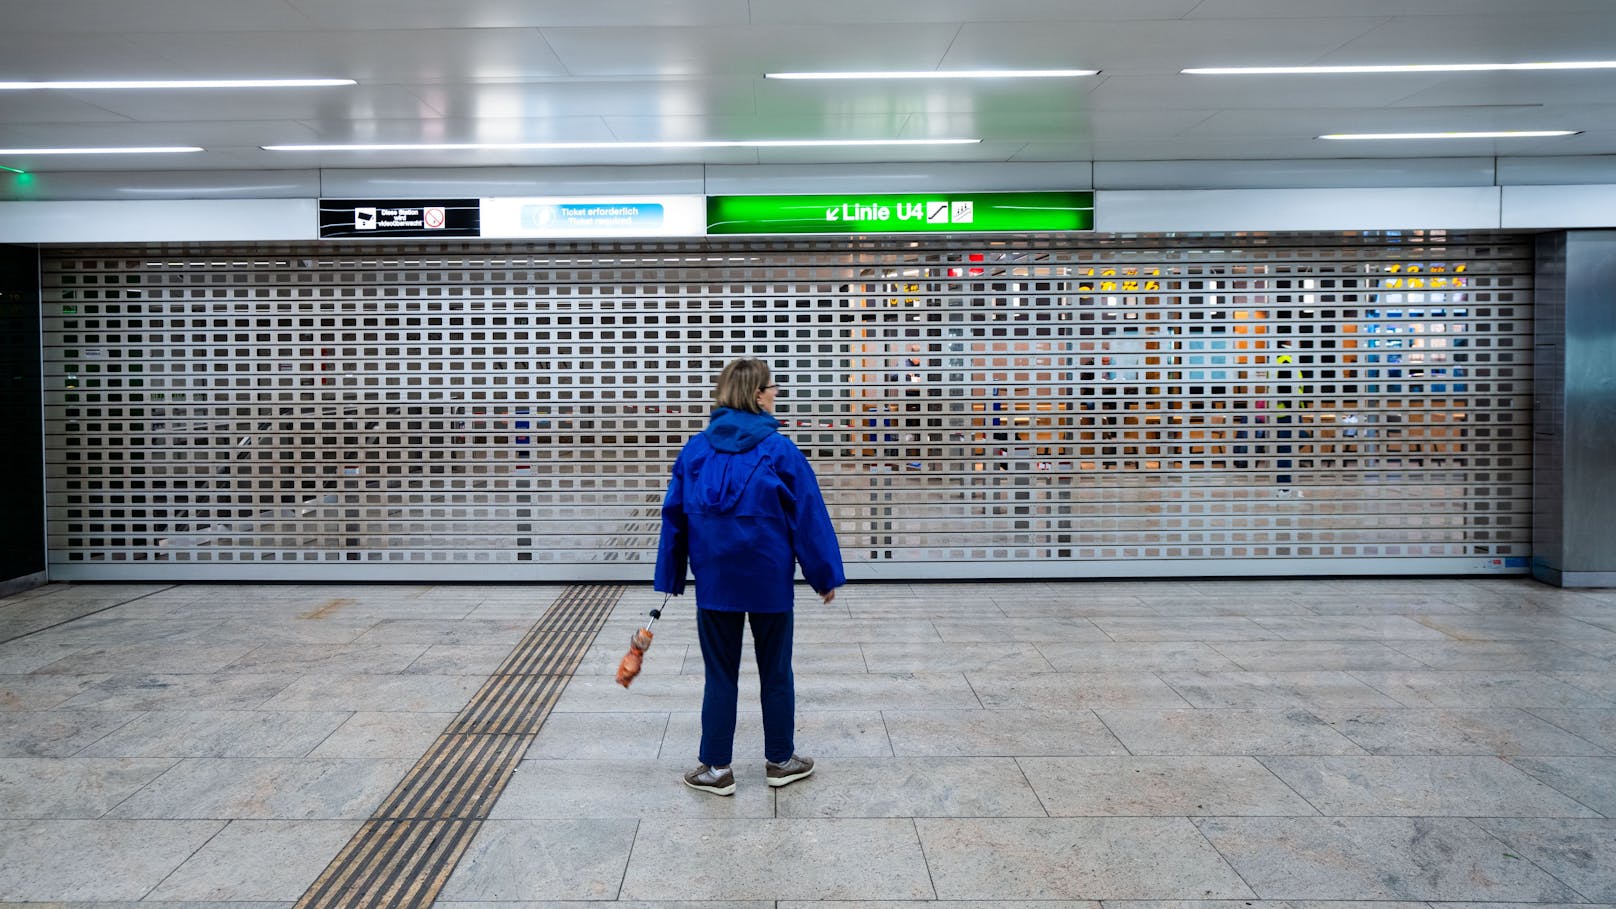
(742, 510)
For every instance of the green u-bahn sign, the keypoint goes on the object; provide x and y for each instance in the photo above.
(906, 213)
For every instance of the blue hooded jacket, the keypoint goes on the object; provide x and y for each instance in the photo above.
(742, 509)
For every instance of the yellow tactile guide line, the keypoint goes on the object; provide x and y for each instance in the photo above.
(406, 851)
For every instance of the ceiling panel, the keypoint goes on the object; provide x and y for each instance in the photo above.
(1449, 9)
(199, 105)
(360, 15)
(563, 70)
(1212, 93)
(683, 97)
(923, 96)
(751, 50)
(448, 130)
(1529, 36)
(859, 12)
(1314, 121)
(115, 17)
(382, 56)
(1149, 47)
(34, 57)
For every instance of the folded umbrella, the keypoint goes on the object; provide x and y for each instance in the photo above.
(637, 645)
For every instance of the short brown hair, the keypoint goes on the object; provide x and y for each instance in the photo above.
(740, 383)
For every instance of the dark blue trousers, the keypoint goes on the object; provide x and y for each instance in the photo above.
(721, 653)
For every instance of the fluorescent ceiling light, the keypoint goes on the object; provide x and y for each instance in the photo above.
(176, 83)
(542, 146)
(154, 150)
(1503, 134)
(1398, 68)
(946, 74)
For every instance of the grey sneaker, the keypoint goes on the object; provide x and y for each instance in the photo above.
(717, 780)
(789, 772)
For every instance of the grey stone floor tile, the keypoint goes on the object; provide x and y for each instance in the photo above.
(1068, 607)
(784, 859)
(1186, 628)
(1459, 786)
(265, 789)
(1049, 690)
(819, 734)
(1496, 731)
(460, 659)
(376, 693)
(544, 860)
(41, 788)
(1496, 655)
(291, 630)
(1480, 689)
(1349, 628)
(1254, 690)
(1523, 627)
(91, 861)
(1378, 858)
(383, 735)
(879, 691)
(816, 629)
(257, 860)
(1214, 731)
(439, 631)
(1408, 605)
(1283, 904)
(998, 733)
(598, 788)
(983, 630)
(135, 904)
(1301, 656)
(218, 733)
(911, 787)
(903, 656)
(649, 694)
(1589, 780)
(1160, 787)
(614, 904)
(1597, 726)
(343, 659)
(188, 657)
(600, 736)
(1574, 851)
(23, 656)
(1601, 683)
(1165, 656)
(40, 692)
(56, 733)
(214, 691)
(1074, 858)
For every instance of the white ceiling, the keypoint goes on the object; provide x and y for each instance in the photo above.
(594, 70)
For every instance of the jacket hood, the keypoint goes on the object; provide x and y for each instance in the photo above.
(734, 431)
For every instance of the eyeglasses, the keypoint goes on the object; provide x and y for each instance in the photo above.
(769, 386)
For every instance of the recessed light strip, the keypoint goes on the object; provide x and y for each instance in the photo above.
(154, 150)
(1396, 68)
(945, 74)
(174, 83)
(561, 146)
(1502, 134)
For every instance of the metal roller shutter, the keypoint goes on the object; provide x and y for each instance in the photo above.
(1014, 407)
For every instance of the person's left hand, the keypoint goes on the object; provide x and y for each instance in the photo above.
(828, 596)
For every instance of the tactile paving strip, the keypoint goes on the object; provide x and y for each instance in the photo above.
(406, 852)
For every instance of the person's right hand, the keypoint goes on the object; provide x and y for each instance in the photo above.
(828, 596)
